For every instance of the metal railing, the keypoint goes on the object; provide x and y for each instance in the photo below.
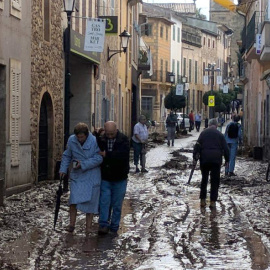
(158, 75)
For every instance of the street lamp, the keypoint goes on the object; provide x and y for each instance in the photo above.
(184, 80)
(124, 36)
(69, 8)
(172, 80)
(211, 68)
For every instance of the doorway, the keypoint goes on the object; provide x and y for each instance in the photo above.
(45, 160)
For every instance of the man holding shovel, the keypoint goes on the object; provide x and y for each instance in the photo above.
(210, 147)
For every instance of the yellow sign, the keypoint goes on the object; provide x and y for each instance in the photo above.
(228, 4)
(211, 101)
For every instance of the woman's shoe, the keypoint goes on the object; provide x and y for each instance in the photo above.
(70, 228)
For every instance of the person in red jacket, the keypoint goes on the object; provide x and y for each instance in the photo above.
(191, 120)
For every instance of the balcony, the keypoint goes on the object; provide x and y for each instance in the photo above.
(265, 53)
(191, 38)
(157, 76)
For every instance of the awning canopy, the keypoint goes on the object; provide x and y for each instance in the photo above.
(228, 4)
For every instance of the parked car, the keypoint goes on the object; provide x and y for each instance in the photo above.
(180, 118)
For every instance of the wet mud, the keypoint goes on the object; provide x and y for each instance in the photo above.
(162, 226)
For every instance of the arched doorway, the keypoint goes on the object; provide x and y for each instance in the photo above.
(45, 147)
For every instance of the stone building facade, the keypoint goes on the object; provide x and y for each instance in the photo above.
(47, 78)
(15, 82)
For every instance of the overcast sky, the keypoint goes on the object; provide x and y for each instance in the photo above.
(202, 4)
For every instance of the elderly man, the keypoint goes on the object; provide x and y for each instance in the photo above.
(210, 147)
(139, 139)
(114, 174)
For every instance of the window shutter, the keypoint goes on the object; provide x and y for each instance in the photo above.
(17, 4)
(15, 111)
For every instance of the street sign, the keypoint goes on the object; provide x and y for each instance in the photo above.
(225, 89)
(211, 101)
(258, 43)
(205, 79)
(219, 79)
(179, 89)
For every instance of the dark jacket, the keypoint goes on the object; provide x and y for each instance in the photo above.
(115, 166)
(171, 120)
(211, 145)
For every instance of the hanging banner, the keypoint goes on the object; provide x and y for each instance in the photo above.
(95, 35)
(211, 101)
(186, 86)
(179, 89)
(111, 24)
(205, 79)
(219, 79)
(225, 89)
(228, 4)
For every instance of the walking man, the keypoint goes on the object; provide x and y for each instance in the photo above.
(198, 120)
(171, 123)
(114, 174)
(210, 147)
(233, 136)
(139, 139)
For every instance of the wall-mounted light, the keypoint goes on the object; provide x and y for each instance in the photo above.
(184, 79)
(125, 36)
(69, 6)
(172, 77)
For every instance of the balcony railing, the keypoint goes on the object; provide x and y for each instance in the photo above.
(191, 38)
(158, 76)
(251, 31)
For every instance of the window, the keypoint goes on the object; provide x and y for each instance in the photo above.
(174, 32)
(173, 66)
(167, 33)
(166, 66)
(161, 31)
(213, 44)
(161, 70)
(209, 42)
(184, 67)
(46, 20)
(112, 7)
(103, 103)
(203, 68)
(15, 110)
(204, 41)
(148, 29)
(112, 107)
(1, 4)
(178, 35)
(196, 71)
(16, 8)
(97, 108)
(190, 70)
(104, 7)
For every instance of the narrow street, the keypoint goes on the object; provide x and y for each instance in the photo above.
(163, 225)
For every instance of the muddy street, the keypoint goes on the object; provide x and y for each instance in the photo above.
(163, 225)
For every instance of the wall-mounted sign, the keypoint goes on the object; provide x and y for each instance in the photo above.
(76, 47)
(211, 101)
(179, 89)
(94, 35)
(225, 89)
(258, 43)
(111, 24)
(219, 79)
(205, 79)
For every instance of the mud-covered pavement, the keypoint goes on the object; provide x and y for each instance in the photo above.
(163, 226)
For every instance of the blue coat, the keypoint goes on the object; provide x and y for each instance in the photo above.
(85, 182)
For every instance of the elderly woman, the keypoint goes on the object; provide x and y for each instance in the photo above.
(82, 150)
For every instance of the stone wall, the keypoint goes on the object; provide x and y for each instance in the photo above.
(47, 76)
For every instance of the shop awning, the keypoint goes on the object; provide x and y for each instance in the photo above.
(228, 4)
